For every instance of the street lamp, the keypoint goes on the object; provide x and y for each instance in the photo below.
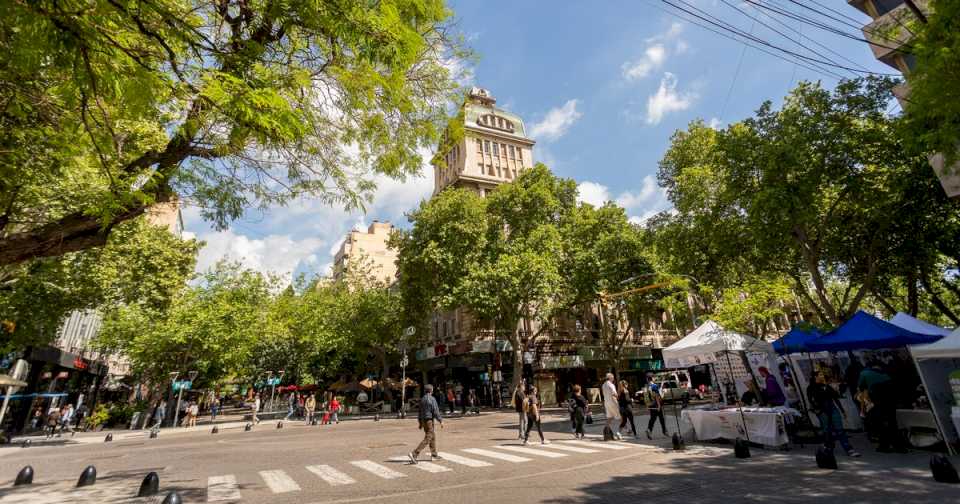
(270, 382)
(408, 332)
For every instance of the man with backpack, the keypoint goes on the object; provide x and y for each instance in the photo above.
(654, 402)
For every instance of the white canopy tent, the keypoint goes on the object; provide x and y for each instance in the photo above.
(913, 324)
(709, 342)
(935, 361)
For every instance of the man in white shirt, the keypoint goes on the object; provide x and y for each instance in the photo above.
(610, 405)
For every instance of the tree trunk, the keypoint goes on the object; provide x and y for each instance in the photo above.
(935, 298)
(913, 302)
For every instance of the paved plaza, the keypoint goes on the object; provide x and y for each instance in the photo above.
(364, 461)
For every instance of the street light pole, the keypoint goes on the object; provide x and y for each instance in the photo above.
(176, 414)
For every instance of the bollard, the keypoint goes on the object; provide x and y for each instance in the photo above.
(87, 477)
(26, 443)
(376, 418)
(246, 428)
(825, 458)
(215, 430)
(172, 498)
(108, 438)
(150, 485)
(280, 424)
(741, 448)
(154, 432)
(24, 477)
(677, 441)
(943, 471)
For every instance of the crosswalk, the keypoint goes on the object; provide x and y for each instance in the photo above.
(225, 488)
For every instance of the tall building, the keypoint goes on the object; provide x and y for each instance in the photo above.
(889, 35)
(368, 247)
(494, 149)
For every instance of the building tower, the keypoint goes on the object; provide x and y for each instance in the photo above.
(494, 148)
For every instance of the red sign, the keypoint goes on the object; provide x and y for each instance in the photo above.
(440, 349)
(79, 363)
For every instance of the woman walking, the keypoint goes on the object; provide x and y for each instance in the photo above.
(309, 406)
(626, 407)
(825, 402)
(531, 407)
(519, 401)
(580, 409)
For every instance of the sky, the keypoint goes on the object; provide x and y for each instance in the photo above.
(602, 86)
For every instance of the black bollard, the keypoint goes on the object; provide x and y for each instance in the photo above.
(246, 428)
(280, 424)
(108, 438)
(825, 458)
(172, 498)
(215, 430)
(741, 448)
(24, 477)
(677, 441)
(943, 471)
(150, 485)
(87, 477)
(26, 443)
(376, 418)
(154, 433)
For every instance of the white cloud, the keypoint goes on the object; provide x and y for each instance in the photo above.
(667, 99)
(557, 122)
(655, 54)
(592, 193)
(653, 58)
(715, 123)
(640, 205)
(280, 254)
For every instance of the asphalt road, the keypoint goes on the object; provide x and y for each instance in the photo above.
(364, 461)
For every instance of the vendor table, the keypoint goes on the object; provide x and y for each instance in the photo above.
(920, 425)
(766, 426)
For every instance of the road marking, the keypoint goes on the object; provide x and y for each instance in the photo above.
(331, 475)
(496, 455)
(532, 451)
(377, 469)
(597, 444)
(222, 488)
(469, 462)
(431, 467)
(574, 449)
(279, 482)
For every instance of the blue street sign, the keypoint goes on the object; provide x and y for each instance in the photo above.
(182, 384)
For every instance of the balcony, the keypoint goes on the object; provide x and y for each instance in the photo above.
(890, 31)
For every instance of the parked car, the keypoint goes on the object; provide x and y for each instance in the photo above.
(671, 391)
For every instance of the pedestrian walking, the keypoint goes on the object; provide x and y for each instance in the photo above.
(37, 418)
(214, 408)
(66, 419)
(474, 401)
(531, 407)
(654, 404)
(193, 411)
(825, 403)
(309, 406)
(610, 406)
(159, 414)
(518, 399)
(451, 401)
(580, 409)
(256, 408)
(53, 420)
(626, 407)
(428, 418)
(335, 410)
(291, 405)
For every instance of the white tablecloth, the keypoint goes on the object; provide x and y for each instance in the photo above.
(765, 426)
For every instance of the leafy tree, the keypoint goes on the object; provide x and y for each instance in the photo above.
(814, 191)
(111, 106)
(603, 253)
(141, 265)
(753, 307)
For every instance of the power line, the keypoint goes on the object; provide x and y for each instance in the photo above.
(736, 74)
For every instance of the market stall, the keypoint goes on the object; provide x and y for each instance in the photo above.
(766, 426)
(939, 367)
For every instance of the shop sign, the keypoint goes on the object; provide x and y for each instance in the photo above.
(62, 375)
(485, 346)
(562, 362)
(421, 354)
(79, 363)
(646, 364)
(439, 349)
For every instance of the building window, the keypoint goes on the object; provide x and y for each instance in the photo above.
(513, 153)
(496, 149)
(486, 146)
(520, 155)
(479, 146)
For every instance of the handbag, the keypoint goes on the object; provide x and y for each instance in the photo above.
(589, 418)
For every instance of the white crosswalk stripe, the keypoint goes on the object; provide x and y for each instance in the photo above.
(532, 451)
(222, 488)
(431, 467)
(331, 475)
(469, 462)
(377, 469)
(279, 481)
(496, 455)
(608, 445)
(568, 448)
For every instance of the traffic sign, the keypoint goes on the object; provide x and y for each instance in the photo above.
(410, 331)
(273, 381)
(182, 384)
(405, 361)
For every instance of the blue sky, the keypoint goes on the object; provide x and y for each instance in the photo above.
(602, 86)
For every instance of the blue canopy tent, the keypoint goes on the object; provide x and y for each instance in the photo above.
(796, 340)
(866, 332)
